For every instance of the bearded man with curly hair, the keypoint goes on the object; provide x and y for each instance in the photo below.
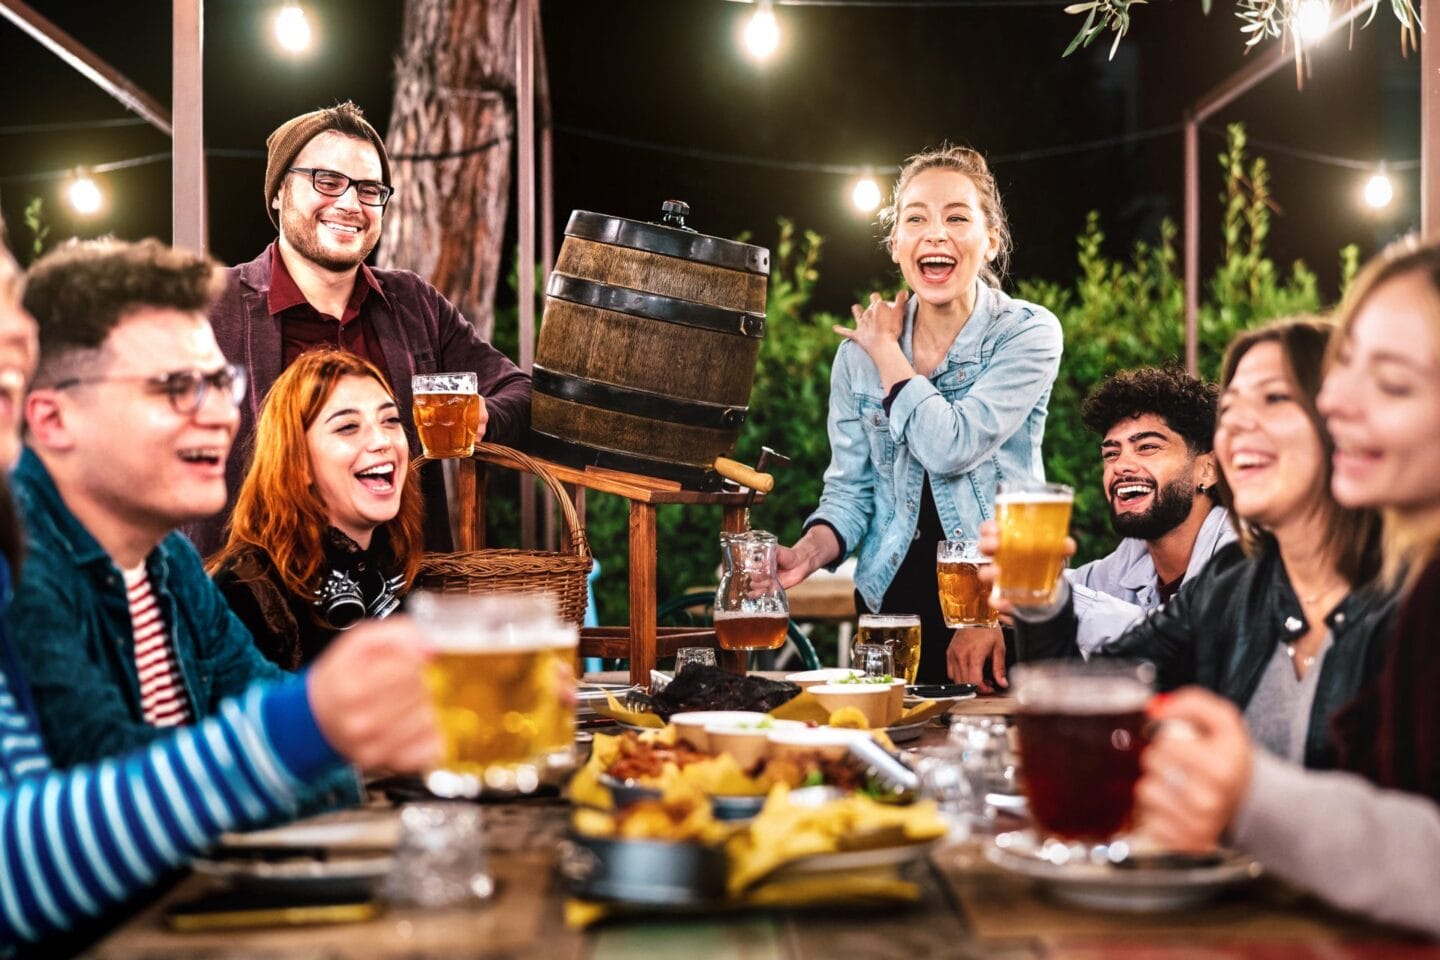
(1156, 426)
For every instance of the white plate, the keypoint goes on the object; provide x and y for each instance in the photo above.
(1011, 803)
(856, 859)
(344, 830)
(1104, 886)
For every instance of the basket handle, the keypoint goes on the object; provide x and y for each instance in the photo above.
(515, 460)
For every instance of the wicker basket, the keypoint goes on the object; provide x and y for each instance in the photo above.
(561, 574)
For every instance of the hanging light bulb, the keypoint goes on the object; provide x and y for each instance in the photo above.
(762, 32)
(1379, 191)
(865, 194)
(84, 195)
(292, 29)
(1312, 20)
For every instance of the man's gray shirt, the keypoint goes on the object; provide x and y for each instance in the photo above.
(1115, 591)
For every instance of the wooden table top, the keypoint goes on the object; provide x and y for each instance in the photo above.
(967, 908)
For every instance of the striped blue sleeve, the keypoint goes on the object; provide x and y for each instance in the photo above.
(77, 842)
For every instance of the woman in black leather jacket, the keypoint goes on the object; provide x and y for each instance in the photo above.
(1288, 623)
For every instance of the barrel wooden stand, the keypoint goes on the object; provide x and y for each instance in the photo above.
(643, 641)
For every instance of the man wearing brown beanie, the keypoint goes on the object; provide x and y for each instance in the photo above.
(327, 180)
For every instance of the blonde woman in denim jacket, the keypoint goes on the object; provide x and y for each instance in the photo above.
(934, 398)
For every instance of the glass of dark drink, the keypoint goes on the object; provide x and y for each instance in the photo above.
(1081, 728)
(751, 611)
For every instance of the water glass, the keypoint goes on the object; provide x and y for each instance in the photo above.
(440, 858)
(874, 660)
(945, 781)
(697, 656)
(989, 765)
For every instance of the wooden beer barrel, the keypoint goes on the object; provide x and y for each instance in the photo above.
(648, 347)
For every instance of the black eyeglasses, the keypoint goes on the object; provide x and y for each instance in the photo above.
(185, 389)
(372, 193)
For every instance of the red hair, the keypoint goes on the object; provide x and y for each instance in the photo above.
(278, 509)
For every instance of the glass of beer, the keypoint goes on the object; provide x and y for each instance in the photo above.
(1033, 518)
(751, 610)
(1081, 727)
(447, 413)
(964, 600)
(898, 631)
(500, 666)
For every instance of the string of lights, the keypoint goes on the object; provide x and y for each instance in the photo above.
(294, 33)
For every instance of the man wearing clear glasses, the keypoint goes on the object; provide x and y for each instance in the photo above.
(327, 181)
(129, 423)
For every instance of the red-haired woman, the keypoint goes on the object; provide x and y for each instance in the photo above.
(325, 531)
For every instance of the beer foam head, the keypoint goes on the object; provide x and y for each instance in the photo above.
(889, 620)
(458, 622)
(454, 383)
(1075, 686)
(751, 615)
(1032, 496)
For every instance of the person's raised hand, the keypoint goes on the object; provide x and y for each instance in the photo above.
(368, 694)
(877, 325)
(990, 572)
(970, 649)
(1195, 770)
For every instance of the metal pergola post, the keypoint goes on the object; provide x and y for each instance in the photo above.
(188, 226)
(1429, 121)
(525, 14)
(1221, 96)
(186, 130)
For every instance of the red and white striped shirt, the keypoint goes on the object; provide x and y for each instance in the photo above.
(162, 692)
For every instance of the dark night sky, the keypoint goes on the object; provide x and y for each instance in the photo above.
(852, 86)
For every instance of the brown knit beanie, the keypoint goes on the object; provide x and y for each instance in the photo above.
(291, 136)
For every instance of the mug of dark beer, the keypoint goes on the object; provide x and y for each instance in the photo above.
(1081, 728)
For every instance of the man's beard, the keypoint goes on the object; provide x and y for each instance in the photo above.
(303, 235)
(1171, 506)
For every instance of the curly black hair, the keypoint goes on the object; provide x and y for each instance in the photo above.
(1186, 404)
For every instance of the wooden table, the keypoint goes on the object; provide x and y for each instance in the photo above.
(644, 641)
(968, 909)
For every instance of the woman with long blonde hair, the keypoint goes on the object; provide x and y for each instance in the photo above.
(326, 531)
(1368, 842)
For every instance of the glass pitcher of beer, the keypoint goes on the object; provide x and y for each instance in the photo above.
(447, 413)
(497, 677)
(751, 611)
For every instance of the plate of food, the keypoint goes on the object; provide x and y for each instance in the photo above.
(1123, 876)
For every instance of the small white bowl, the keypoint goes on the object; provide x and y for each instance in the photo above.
(691, 726)
(809, 678)
(747, 744)
(881, 703)
(833, 742)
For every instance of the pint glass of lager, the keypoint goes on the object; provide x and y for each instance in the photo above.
(1082, 727)
(898, 631)
(964, 600)
(1033, 519)
(447, 413)
(497, 676)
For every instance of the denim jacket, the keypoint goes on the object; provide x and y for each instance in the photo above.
(70, 624)
(976, 420)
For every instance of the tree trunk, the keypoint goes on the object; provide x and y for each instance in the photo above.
(451, 132)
